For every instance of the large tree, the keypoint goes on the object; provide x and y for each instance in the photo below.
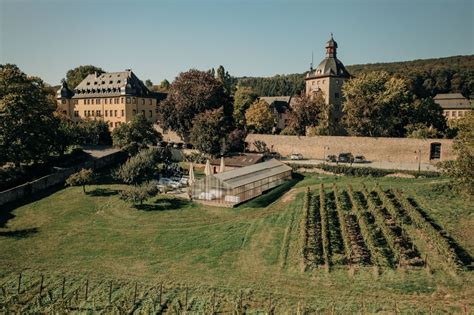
(143, 166)
(209, 132)
(76, 75)
(259, 117)
(307, 112)
(373, 102)
(422, 114)
(243, 98)
(462, 169)
(192, 93)
(136, 134)
(28, 125)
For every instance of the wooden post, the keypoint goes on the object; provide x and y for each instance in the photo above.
(465, 308)
(41, 286)
(87, 288)
(19, 284)
(135, 294)
(270, 305)
(213, 301)
(110, 293)
(186, 300)
(161, 292)
(63, 288)
(240, 303)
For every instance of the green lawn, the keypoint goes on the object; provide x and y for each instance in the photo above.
(254, 248)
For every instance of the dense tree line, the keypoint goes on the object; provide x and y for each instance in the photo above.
(427, 77)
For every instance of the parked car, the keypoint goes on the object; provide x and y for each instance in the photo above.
(296, 156)
(346, 157)
(360, 159)
(168, 182)
(273, 155)
(331, 158)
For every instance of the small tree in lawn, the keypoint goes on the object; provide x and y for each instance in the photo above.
(209, 131)
(139, 193)
(143, 166)
(81, 178)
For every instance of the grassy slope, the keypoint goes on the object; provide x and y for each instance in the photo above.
(254, 246)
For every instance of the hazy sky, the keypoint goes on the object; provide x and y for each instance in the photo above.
(159, 39)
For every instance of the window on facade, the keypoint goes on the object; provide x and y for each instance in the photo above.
(93, 113)
(143, 101)
(336, 95)
(446, 113)
(134, 112)
(453, 113)
(110, 101)
(337, 81)
(76, 113)
(134, 100)
(98, 113)
(123, 113)
(115, 113)
(151, 113)
(435, 150)
(105, 112)
(97, 101)
(128, 100)
(143, 113)
(121, 100)
(149, 102)
(110, 113)
(460, 113)
(105, 101)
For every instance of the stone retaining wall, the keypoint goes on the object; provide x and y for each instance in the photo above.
(57, 178)
(398, 150)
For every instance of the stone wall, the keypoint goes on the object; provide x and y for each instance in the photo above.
(397, 150)
(57, 178)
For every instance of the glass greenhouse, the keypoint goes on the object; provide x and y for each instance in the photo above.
(241, 184)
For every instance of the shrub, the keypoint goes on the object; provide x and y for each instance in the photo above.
(81, 178)
(140, 193)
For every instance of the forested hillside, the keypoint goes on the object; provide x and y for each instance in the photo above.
(428, 77)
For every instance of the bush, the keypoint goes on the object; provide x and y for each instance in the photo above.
(196, 157)
(140, 193)
(142, 166)
(363, 171)
(81, 178)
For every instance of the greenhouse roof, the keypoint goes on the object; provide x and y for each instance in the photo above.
(249, 174)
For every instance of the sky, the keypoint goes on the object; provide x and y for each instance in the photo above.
(160, 39)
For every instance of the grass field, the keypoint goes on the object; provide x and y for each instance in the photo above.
(207, 257)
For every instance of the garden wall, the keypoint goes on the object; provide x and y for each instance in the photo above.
(58, 177)
(397, 150)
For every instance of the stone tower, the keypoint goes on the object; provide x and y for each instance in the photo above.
(328, 78)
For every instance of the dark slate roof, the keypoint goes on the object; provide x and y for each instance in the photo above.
(124, 83)
(240, 160)
(280, 103)
(452, 101)
(330, 66)
(64, 91)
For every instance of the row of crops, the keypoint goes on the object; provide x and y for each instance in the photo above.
(33, 293)
(372, 227)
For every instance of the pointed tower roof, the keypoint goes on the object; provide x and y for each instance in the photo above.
(329, 66)
(64, 91)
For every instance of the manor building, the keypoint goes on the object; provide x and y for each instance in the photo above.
(114, 97)
(454, 105)
(328, 79)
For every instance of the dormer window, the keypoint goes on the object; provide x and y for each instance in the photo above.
(95, 83)
(88, 83)
(118, 81)
(110, 82)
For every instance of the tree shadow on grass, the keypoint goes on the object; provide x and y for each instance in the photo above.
(102, 192)
(7, 209)
(274, 194)
(19, 233)
(164, 204)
